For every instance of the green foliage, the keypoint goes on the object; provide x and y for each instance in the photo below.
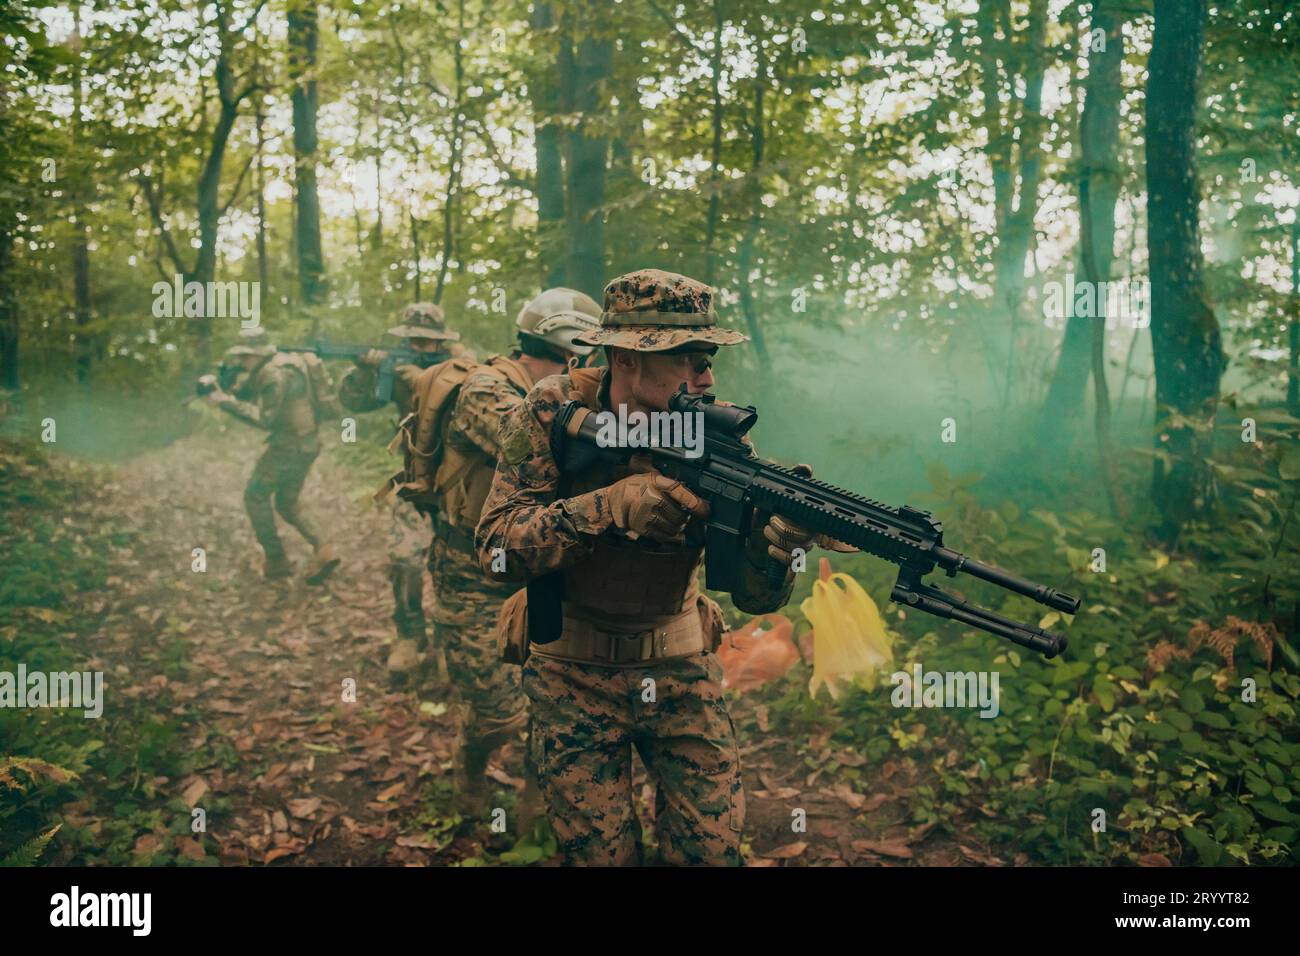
(1169, 746)
(30, 852)
(50, 553)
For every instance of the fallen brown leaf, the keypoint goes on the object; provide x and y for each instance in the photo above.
(787, 852)
(303, 807)
(894, 848)
(389, 792)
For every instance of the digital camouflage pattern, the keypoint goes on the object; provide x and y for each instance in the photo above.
(650, 310)
(590, 715)
(587, 719)
(492, 708)
(485, 401)
(408, 527)
(280, 405)
(491, 705)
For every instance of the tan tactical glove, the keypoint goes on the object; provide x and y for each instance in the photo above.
(654, 506)
(371, 358)
(783, 535)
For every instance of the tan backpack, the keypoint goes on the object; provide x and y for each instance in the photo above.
(435, 474)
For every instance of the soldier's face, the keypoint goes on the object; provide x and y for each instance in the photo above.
(429, 350)
(655, 377)
(241, 386)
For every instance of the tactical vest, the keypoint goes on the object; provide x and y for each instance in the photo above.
(300, 413)
(464, 477)
(621, 579)
(453, 478)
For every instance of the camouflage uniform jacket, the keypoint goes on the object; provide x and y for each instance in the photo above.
(544, 521)
(281, 405)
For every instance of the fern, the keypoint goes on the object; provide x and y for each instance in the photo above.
(29, 852)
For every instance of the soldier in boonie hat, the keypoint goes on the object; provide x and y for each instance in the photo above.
(423, 320)
(654, 311)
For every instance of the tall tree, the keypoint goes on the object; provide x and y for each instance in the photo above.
(303, 37)
(28, 158)
(81, 185)
(1014, 144)
(1100, 177)
(454, 159)
(591, 64)
(548, 101)
(1185, 337)
(225, 31)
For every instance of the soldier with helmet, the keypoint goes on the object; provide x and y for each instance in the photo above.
(626, 543)
(277, 392)
(492, 708)
(424, 331)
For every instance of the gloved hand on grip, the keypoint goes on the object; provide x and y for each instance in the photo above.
(653, 505)
(784, 535)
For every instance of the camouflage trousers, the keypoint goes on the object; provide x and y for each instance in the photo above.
(279, 476)
(408, 536)
(492, 705)
(585, 721)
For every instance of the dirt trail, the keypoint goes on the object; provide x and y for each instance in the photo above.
(288, 771)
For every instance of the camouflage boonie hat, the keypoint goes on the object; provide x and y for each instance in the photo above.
(251, 342)
(423, 320)
(653, 311)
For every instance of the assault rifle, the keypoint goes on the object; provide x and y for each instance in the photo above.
(735, 482)
(393, 357)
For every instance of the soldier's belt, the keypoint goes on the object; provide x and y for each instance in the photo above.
(588, 642)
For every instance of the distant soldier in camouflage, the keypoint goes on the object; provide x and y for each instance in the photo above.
(493, 708)
(628, 545)
(423, 330)
(278, 392)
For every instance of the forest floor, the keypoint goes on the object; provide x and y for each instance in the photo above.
(289, 772)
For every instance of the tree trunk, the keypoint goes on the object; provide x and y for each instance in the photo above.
(745, 256)
(1293, 333)
(1100, 177)
(585, 261)
(303, 35)
(260, 185)
(1018, 224)
(8, 316)
(453, 164)
(81, 235)
(416, 252)
(715, 153)
(548, 97)
(1185, 338)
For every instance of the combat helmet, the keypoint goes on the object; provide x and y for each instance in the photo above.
(558, 316)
